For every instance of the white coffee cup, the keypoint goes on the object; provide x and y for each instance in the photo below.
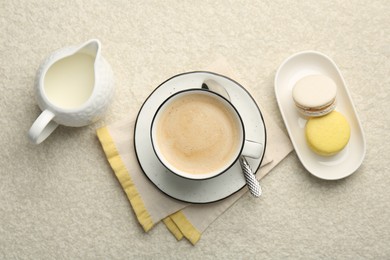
(73, 87)
(198, 134)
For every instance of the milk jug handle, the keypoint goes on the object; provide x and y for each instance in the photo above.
(42, 127)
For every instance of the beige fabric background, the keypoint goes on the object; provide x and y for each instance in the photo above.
(60, 200)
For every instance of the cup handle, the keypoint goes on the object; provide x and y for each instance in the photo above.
(252, 149)
(42, 127)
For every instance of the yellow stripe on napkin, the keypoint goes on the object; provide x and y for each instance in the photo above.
(124, 179)
(173, 228)
(185, 226)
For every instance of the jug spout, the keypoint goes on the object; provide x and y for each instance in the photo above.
(91, 47)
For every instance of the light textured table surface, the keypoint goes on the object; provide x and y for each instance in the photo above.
(60, 199)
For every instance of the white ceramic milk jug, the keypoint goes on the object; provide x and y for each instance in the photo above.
(74, 86)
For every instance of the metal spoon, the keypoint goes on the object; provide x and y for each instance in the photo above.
(251, 181)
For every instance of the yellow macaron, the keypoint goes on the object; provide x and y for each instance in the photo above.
(329, 134)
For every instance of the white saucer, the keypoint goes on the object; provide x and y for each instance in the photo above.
(351, 157)
(196, 191)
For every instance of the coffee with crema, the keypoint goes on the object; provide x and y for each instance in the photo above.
(198, 133)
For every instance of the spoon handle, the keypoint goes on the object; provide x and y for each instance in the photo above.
(251, 181)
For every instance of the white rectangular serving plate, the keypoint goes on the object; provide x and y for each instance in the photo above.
(351, 157)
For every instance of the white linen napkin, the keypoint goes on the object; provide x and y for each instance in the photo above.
(152, 206)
